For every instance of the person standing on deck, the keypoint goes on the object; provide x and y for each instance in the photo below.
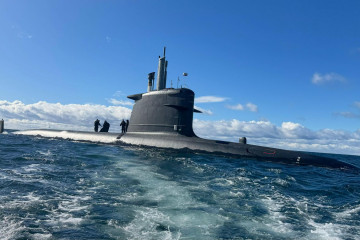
(123, 126)
(96, 125)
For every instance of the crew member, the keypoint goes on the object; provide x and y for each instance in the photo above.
(123, 126)
(96, 125)
(105, 127)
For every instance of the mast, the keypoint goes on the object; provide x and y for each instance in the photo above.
(162, 72)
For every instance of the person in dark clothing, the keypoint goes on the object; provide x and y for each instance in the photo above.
(96, 125)
(105, 127)
(127, 125)
(123, 126)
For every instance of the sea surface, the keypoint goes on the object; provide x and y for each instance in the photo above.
(53, 188)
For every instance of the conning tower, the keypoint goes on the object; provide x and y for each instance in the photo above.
(166, 110)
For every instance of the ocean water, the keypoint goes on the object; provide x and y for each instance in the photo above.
(54, 188)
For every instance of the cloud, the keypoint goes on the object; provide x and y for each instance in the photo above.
(236, 107)
(118, 94)
(120, 102)
(348, 114)
(252, 107)
(249, 106)
(18, 115)
(289, 135)
(357, 104)
(326, 78)
(108, 39)
(21, 33)
(210, 99)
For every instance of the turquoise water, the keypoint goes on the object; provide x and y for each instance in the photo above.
(62, 189)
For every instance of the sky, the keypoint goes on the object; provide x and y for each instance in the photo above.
(282, 73)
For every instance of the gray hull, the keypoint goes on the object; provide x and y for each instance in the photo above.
(196, 144)
(178, 141)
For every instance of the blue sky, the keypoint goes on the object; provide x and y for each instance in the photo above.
(269, 61)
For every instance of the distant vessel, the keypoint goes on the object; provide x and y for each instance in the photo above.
(163, 117)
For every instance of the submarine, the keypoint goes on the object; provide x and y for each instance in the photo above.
(163, 118)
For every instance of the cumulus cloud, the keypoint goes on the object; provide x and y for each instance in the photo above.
(18, 115)
(289, 135)
(209, 99)
(326, 78)
(249, 106)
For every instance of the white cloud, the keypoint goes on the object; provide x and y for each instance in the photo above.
(236, 107)
(118, 94)
(120, 102)
(249, 106)
(326, 78)
(252, 107)
(18, 115)
(209, 99)
(289, 135)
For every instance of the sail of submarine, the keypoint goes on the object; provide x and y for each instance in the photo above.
(164, 117)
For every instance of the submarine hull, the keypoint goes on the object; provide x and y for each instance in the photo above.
(196, 144)
(178, 141)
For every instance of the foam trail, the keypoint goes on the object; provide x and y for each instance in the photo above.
(176, 211)
(73, 135)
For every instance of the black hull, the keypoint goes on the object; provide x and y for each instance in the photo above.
(196, 144)
(177, 141)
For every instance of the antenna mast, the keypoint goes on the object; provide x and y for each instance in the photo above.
(162, 72)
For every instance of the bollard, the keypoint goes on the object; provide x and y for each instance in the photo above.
(242, 140)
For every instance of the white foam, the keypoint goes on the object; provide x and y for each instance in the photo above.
(42, 236)
(176, 210)
(10, 228)
(32, 168)
(144, 226)
(281, 182)
(65, 218)
(277, 223)
(47, 153)
(327, 231)
(77, 136)
(348, 212)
